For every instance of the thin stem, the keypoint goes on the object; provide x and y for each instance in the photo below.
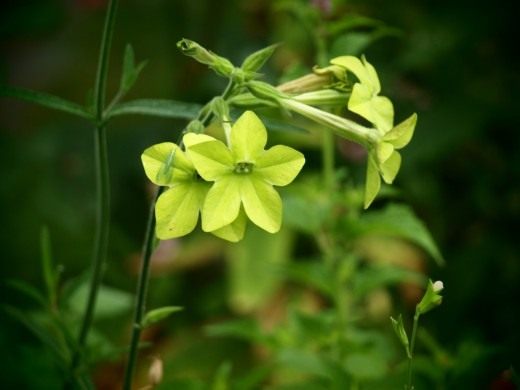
(327, 153)
(409, 386)
(142, 289)
(102, 185)
(142, 284)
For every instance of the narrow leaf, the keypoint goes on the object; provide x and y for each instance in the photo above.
(46, 100)
(130, 72)
(28, 290)
(156, 107)
(256, 60)
(156, 315)
(49, 274)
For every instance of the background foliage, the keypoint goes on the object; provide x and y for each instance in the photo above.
(452, 62)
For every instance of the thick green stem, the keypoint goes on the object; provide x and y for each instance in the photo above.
(144, 273)
(102, 185)
(409, 386)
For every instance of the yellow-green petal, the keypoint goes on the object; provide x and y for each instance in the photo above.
(222, 204)
(354, 65)
(401, 134)
(390, 167)
(279, 165)
(190, 139)
(211, 158)
(373, 181)
(376, 109)
(384, 150)
(262, 203)
(233, 232)
(248, 137)
(165, 163)
(177, 209)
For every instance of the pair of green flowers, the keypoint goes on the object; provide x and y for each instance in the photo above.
(225, 184)
(384, 160)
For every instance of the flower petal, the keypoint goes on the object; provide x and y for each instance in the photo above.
(279, 165)
(248, 137)
(373, 181)
(222, 204)
(401, 134)
(372, 75)
(390, 167)
(262, 203)
(211, 158)
(233, 232)
(177, 210)
(354, 65)
(384, 150)
(376, 109)
(165, 163)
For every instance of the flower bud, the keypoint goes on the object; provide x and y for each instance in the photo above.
(431, 298)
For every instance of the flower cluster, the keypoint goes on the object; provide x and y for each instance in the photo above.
(225, 184)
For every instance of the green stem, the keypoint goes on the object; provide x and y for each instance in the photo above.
(143, 280)
(409, 386)
(142, 289)
(102, 185)
(327, 152)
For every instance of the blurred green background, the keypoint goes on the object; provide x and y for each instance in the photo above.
(452, 62)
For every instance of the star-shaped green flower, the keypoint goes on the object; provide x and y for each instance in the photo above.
(364, 99)
(177, 209)
(243, 174)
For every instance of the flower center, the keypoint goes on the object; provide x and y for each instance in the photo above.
(243, 167)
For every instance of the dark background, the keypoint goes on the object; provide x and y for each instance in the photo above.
(455, 63)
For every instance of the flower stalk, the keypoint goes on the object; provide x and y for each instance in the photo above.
(102, 185)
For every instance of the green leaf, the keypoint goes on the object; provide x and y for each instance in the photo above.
(400, 331)
(211, 158)
(49, 273)
(399, 221)
(256, 275)
(401, 134)
(156, 107)
(177, 209)
(366, 366)
(390, 167)
(262, 203)
(28, 290)
(165, 164)
(235, 231)
(245, 329)
(256, 60)
(375, 277)
(40, 331)
(279, 165)
(248, 137)
(373, 181)
(130, 71)
(111, 302)
(156, 315)
(46, 100)
(222, 204)
(221, 381)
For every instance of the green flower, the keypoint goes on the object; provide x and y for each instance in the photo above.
(384, 160)
(177, 209)
(364, 99)
(243, 174)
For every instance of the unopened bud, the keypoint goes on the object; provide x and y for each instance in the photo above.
(155, 372)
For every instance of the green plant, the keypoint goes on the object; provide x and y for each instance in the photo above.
(229, 183)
